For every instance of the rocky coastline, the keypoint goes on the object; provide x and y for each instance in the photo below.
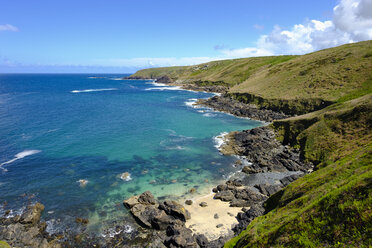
(164, 222)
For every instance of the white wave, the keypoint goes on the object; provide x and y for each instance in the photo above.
(175, 148)
(209, 115)
(165, 88)
(20, 155)
(92, 90)
(112, 232)
(220, 140)
(191, 103)
(157, 84)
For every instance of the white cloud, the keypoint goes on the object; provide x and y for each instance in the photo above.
(8, 27)
(155, 62)
(351, 22)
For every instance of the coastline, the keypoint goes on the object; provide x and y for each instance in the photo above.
(210, 235)
(245, 208)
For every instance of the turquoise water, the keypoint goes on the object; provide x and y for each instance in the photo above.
(58, 129)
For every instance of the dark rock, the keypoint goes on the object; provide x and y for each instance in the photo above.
(216, 216)
(82, 221)
(180, 236)
(214, 190)
(161, 221)
(175, 209)
(268, 190)
(201, 240)
(224, 195)
(246, 217)
(188, 202)
(33, 213)
(146, 198)
(219, 225)
(203, 204)
(222, 187)
(227, 104)
(239, 203)
(144, 214)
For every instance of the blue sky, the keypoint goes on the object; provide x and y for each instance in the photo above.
(123, 36)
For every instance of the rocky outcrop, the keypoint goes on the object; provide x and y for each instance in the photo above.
(228, 104)
(266, 154)
(27, 230)
(168, 216)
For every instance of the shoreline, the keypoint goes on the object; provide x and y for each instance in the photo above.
(207, 232)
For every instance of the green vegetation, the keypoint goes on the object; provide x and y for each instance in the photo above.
(333, 205)
(230, 72)
(4, 244)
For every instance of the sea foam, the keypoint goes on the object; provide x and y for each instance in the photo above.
(92, 90)
(220, 140)
(20, 155)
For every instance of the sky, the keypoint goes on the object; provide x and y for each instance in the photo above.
(123, 36)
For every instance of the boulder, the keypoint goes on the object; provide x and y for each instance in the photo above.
(203, 204)
(147, 198)
(144, 214)
(130, 202)
(33, 213)
(175, 209)
(224, 195)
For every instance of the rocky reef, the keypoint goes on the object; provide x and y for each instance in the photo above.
(228, 104)
(27, 230)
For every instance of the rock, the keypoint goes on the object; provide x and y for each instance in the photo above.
(83, 182)
(268, 190)
(239, 203)
(224, 195)
(33, 213)
(203, 204)
(226, 103)
(161, 221)
(144, 214)
(130, 202)
(192, 190)
(125, 176)
(219, 225)
(216, 216)
(214, 190)
(180, 236)
(222, 187)
(146, 198)
(246, 217)
(249, 170)
(81, 220)
(201, 240)
(188, 202)
(175, 209)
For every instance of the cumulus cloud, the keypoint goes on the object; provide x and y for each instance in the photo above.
(351, 22)
(8, 27)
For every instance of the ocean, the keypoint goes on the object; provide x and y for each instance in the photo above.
(82, 143)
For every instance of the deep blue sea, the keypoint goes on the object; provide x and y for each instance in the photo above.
(57, 129)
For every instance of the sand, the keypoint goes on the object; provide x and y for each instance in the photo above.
(202, 218)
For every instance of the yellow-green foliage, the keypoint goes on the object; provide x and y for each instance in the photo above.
(329, 74)
(4, 244)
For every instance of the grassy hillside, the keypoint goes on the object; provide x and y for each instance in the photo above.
(333, 205)
(291, 84)
(230, 72)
